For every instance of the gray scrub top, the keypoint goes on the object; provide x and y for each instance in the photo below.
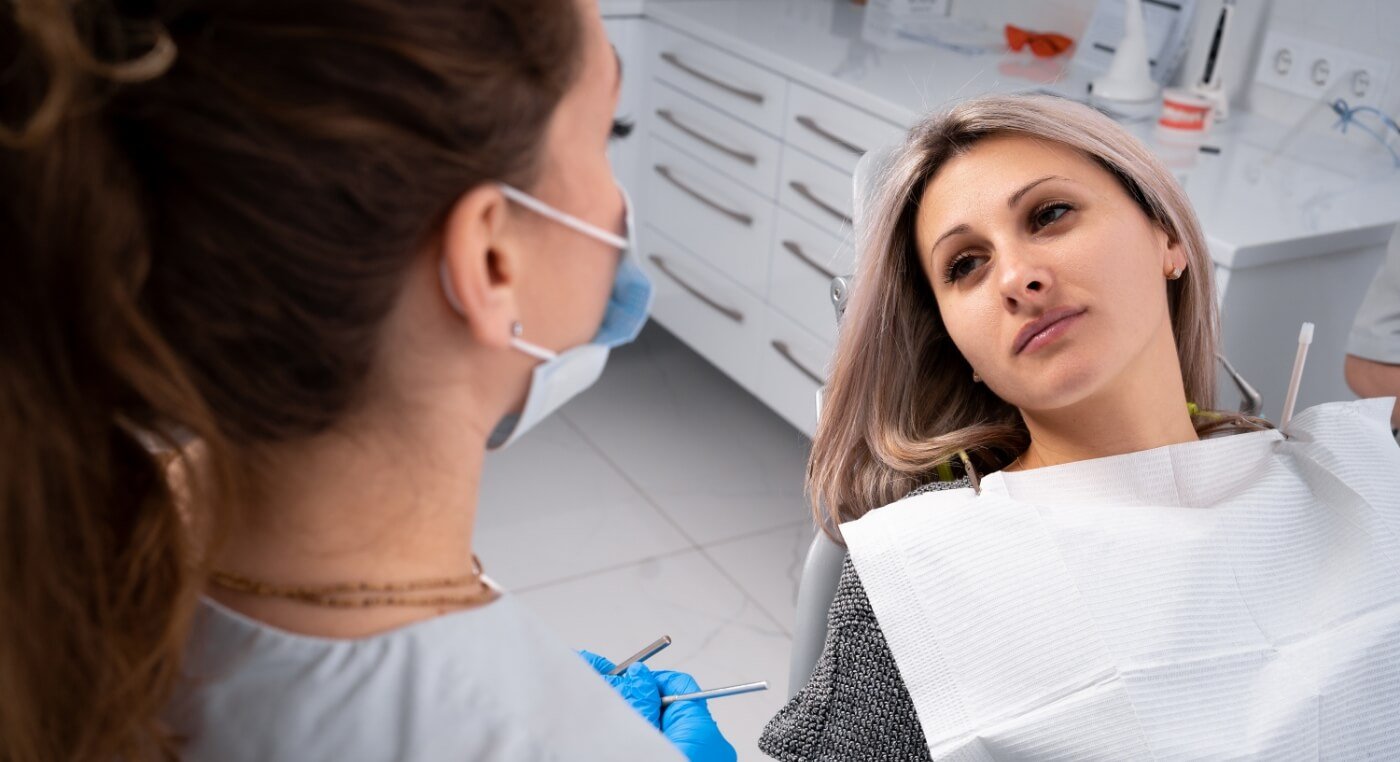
(483, 684)
(1376, 333)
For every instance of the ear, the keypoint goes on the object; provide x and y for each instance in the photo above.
(480, 265)
(1173, 254)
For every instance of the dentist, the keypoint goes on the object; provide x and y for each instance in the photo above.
(323, 254)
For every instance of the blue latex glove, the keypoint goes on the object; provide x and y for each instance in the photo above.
(637, 685)
(688, 724)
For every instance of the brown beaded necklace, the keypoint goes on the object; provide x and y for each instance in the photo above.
(352, 595)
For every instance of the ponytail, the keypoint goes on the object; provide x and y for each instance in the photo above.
(98, 577)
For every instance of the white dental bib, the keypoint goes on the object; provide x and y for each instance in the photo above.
(1233, 598)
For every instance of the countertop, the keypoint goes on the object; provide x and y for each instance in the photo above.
(1266, 196)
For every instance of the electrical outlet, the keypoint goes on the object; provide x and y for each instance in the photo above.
(1315, 70)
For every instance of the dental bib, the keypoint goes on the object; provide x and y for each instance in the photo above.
(1232, 598)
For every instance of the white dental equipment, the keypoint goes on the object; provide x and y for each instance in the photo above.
(1129, 76)
(1211, 85)
(1305, 337)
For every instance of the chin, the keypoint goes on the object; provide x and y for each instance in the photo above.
(1061, 386)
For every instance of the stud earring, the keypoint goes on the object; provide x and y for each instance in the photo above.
(1176, 273)
(516, 329)
(976, 379)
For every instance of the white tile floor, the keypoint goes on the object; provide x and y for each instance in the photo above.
(665, 500)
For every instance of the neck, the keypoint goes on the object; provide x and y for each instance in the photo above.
(1143, 409)
(387, 499)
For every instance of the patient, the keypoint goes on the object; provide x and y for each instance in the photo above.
(1031, 341)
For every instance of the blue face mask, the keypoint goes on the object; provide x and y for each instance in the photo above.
(563, 375)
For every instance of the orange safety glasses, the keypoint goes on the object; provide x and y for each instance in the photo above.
(1043, 45)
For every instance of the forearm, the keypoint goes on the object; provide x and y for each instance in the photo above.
(1368, 378)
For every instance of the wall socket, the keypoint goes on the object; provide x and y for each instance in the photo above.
(1313, 69)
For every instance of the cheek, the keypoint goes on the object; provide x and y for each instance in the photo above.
(974, 323)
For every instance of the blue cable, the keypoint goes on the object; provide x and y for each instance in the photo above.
(1346, 116)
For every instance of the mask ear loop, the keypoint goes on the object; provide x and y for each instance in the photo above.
(534, 350)
(563, 218)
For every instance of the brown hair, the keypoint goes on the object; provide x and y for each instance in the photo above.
(899, 405)
(209, 210)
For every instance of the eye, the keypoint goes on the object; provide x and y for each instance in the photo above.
(1049, 213)
(621, 128)
(960, 266)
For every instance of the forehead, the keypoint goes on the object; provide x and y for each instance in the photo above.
(993, 168)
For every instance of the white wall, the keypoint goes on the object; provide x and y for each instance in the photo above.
(1371, 27)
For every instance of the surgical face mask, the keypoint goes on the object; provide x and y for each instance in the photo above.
(563, 375)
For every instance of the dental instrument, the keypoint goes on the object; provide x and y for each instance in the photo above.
(1305, 337)
(733, 690)
(1211, 86)
(646, 653)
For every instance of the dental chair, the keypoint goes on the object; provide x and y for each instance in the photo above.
(822, 569)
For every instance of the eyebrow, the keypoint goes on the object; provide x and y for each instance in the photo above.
(1010, 204)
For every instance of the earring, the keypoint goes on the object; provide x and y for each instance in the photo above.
(976, 379)
(1176, 273)
(516, 329)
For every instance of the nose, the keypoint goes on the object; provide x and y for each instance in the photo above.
(1024, 281)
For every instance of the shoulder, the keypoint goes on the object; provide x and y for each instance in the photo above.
(465, 685)
(855, 705)
(877, 528)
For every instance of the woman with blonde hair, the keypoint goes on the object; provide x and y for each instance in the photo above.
(1074, 556)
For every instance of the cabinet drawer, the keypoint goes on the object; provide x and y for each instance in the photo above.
(720, 140)
(792, 366)
(727, 225)
(705, 309)
(834, 131)
(731, 84)
(805, 259)
(817, 192)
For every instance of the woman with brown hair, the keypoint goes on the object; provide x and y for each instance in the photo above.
(317, 254)
(1057, 549)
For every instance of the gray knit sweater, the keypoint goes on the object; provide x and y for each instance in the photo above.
(855, 706)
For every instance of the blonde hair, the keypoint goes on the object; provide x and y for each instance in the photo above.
(900, 405)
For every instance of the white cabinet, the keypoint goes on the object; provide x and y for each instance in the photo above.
(832, 131)
(746, 195)
(715, 138)
(733, 85)
(805, 259)
(712, 214)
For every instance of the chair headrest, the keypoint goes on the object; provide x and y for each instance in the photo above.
(869, 171)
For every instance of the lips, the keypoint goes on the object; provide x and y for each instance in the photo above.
(1035, 327)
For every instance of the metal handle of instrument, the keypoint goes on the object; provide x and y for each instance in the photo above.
(783, 349)
(811, 124)
(797, 251)
(669, 118)
(805, 192)
(748, 95)
(728, 312)
(739, 217)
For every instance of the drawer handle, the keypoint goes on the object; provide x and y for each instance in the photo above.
(811, 124)
(728, 312)
(783, 349)
(748, 95)
(671, 119)
(805, 192)
(797, 251)
(739, 217)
